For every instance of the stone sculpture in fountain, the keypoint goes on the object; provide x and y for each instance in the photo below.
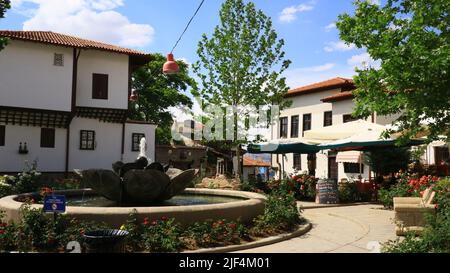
(138, 182)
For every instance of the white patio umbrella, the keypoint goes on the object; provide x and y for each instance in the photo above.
(342, 131)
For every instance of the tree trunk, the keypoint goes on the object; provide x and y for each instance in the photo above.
(238, 158)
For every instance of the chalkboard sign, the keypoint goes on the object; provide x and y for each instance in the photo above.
(327, 192)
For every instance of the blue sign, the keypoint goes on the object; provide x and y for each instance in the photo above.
(55, 204)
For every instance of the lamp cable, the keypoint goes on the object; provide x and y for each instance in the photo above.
(187, 26)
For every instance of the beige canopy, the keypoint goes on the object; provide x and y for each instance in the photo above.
(349, 157)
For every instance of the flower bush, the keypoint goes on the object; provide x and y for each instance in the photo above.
(40, 232)
(303, 186)
(406, 186)
(26, 181)
(436, 236)
(161, 235)
(216, 233)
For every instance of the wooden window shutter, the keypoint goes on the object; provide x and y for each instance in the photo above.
(47, 138)
(2, 135)
(100, 86)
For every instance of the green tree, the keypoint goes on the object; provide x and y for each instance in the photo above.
(388, 160)
(241, 64)
(4, 5)
(158, 92)
(411, 40)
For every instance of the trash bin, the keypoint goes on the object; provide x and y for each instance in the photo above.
(105, 241)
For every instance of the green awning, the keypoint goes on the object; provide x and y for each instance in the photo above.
(283, 148)
(367, 145)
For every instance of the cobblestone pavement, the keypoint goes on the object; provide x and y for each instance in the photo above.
(352, 229)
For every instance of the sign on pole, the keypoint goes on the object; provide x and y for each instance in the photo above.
(55, 204)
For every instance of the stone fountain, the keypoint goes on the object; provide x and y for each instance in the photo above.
(147, 190)
(138, 182)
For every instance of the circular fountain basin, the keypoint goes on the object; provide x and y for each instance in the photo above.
(194, 205)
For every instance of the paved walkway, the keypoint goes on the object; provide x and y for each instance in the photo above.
(339, 230)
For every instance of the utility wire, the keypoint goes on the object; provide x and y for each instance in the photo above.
(187, 26)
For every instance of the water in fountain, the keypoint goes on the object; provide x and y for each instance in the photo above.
(143, 148)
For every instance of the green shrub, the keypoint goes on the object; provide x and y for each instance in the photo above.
(280, 214)
(348, 192)
(135, 229)
(5, 188)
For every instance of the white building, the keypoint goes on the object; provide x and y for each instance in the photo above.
(316, 106)
(66, 99)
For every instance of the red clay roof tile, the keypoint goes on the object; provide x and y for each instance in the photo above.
(249, 162)
(340, 96)
(54, 38)
(321, 86)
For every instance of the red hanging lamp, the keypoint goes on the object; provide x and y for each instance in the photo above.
(171, 66)
(134, 97)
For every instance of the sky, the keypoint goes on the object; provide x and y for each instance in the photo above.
(307, 26)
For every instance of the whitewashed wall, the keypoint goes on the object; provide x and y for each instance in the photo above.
(29, 79)
(306, 104)
(149, 131)
(48, 159)
(100, 62)
(109, 144)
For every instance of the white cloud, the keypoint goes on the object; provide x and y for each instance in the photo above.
(91, 19)
(338, 46)
(363, 60)
(319, 68)
(297, 77)
(289, 14)
(331, 26)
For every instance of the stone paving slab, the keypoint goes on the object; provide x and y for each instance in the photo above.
(348, 229)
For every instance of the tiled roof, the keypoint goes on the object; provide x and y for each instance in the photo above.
(321, 86)
(340, 96)
(53, 38)
(249, 162)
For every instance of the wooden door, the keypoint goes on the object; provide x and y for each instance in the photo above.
(332, 169)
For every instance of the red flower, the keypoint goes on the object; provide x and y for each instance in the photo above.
(409, 191)
(146, 221)
(2, 231)
(154, 223)
(164, 218)
(233, 226)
